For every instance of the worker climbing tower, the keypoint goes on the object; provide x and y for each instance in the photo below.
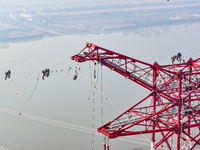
(174, 99)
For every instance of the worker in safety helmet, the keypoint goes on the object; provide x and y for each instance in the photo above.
(8, 73)
(46, 73)
(178, 56)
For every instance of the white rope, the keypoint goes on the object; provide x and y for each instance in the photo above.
(101, 97)
(51, 71)
(31, 95)
(24, 72)
(91, 86)
(93, 129)
(103, 136)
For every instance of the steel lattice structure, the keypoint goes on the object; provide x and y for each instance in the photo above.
(174, 98)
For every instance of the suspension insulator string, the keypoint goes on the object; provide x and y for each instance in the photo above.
(104, 142)
(101, 97)
(107, 144)
(103, 136)
(93, 115)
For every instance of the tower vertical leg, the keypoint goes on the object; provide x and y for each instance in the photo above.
(154, 105)
(179, 110)
(178, 141)
(189, 104)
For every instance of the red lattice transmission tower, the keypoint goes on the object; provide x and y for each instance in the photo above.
(174, 99)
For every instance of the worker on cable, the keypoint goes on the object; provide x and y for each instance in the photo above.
(76, 72)
(173, 58)
(178, 56)
(8, 73)
(46, 73)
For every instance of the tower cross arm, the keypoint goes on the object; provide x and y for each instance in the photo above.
(136, 70)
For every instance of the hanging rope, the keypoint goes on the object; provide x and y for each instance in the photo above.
(93, 129)
(93, 115)
(103, 136)
(91, 87)
(62, 77)
(17, 93)
(101, 97)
